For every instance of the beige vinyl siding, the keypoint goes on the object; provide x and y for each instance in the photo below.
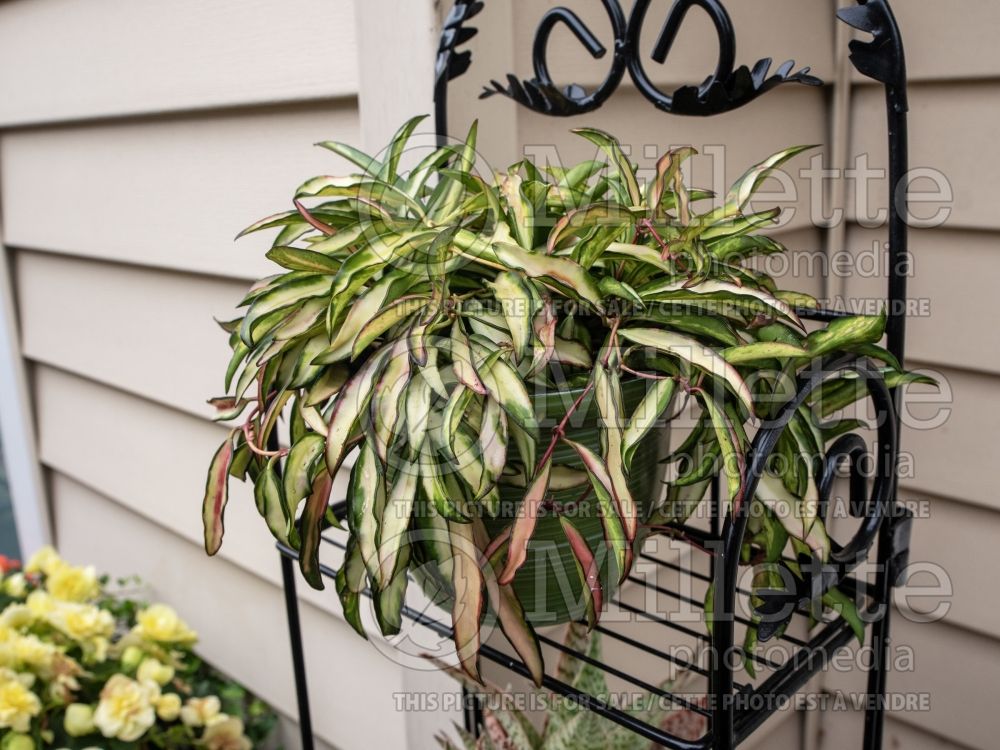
(137, 138)
(124, 179)
(107, 58)
(953, 103)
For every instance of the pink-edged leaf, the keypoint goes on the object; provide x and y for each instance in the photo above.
(467, 608)
(312, 220)
(545, 331)
(510, 613)
(608, 395)
(461, 361)
(614, 530)
(217, 495)
(312, 526)
(524, 524)
(351, 402)
(589, 570)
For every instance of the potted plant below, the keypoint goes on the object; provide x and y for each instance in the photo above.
(500, 355)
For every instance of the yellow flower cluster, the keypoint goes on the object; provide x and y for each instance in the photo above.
(18, 704)
(56, 613)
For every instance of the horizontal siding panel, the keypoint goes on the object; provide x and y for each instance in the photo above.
(955, 40)
(240, 619)
(954, 459)
(152, 460)
(934, 554)
(779, 29)
(143, 331)
(63, 60)
(953, 279)
(844, 729)
(170, 193)
(938, 112)
(958, 670)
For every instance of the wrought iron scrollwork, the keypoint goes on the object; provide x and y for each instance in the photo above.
(882, 58)
(727, 88)
(450, 62)
(817, 577)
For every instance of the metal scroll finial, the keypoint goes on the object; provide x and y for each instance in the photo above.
(882, 58)
(725, 89)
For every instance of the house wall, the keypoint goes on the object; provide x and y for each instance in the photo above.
(136, 139)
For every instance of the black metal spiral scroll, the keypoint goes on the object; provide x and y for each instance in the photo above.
(726, 88)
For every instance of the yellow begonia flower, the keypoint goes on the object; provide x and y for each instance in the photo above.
(82, 622)
(18, 705)
(168, 706)
(160, 623)
(40, 604)
(126, 709)
(71, 584)
(43, 561)
(16, 585)
(155, 670)
(200, 712)
(16, 617)
(226, 735)
(79, 719)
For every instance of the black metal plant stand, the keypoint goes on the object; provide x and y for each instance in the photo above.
(732, 710)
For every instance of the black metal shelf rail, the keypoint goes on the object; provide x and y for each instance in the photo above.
(730, 709)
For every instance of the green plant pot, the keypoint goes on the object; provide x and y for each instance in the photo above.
(548, 583)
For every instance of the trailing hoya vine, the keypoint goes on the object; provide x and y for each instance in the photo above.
(417, 313)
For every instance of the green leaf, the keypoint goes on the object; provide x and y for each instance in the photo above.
(417, 407)
(519, 305)
(718, 291)
(647, 415)
(614, 530)
(387, 398)
(312, 526)
(467, 606)
(515, 625)
(392, 315)
(743, 189)
(350, 582)
(563, 271)
(368, 164)
(267, 492)
(279, 298)
(434, 486)
(396, 519)
(297, 259)
(366, 307)
(492, 445)
(300, 469)
(762, 350)
(389, 599)
(216, 496)
(623, 168)
(461, 360)
(608, 396)
(366, 500)
(733, 461)
(693, 351)
(505, 386)
(846, 607)
(388, 173)
(846, 332)
(800, 522)
(350, 404)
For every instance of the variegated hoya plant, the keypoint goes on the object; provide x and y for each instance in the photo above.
(419, 314)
